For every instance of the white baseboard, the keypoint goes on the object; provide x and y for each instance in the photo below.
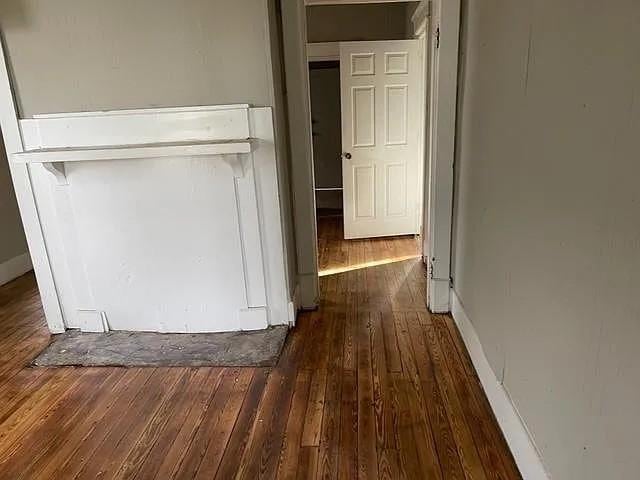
(294, 306)
(308, 290)
(15, 267)
(515, 431)
(439, 296)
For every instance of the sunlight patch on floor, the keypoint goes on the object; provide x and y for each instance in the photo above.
(358, 266)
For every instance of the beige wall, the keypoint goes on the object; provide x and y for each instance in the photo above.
(547, 221)
(329, 23)
(12, 241)
(78, 55)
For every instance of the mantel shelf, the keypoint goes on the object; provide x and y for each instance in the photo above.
(53, 159)
(129, 152)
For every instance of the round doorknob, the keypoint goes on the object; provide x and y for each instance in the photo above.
(347, 156)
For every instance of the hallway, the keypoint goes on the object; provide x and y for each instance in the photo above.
(369, 386)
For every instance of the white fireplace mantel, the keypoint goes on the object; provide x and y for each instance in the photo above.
(217, 131)
(146, 232)
(54, 159)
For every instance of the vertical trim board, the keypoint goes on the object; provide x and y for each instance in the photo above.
(302, 180)
(269, 215)
(249, 231)
(442, 129)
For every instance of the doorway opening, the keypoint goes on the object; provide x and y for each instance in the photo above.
(371, 100)
(365, 88)
(326, 132)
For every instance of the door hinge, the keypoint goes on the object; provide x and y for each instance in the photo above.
(429, 8)
(438, 36)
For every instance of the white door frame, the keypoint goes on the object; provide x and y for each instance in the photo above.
(444, 30)
(445, 19)
(294, 33)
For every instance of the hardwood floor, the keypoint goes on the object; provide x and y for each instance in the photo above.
(369, 386)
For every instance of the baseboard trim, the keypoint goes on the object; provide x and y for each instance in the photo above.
(308, 291)
(515, 431)
(439, 296)
(294, 306)
(14, 267)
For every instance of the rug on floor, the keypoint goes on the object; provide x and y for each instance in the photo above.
(259, 348)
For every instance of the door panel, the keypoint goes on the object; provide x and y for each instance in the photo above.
(364, 187)
(363, 64)
(395, 181)
(364, 122)
(380, 84)
(396, 114)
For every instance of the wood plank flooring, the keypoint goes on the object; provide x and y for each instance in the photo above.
(368, 386)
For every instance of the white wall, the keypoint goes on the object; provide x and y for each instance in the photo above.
(547, 220)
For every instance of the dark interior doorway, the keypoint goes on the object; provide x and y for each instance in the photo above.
(324, 81)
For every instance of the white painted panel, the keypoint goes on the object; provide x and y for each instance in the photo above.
(363, 121)
(161, 243)
(364, 190)
(396, 189)
(396, 62)
(395, 119)
(363, 64)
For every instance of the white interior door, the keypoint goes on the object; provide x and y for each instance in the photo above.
(380, 95)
